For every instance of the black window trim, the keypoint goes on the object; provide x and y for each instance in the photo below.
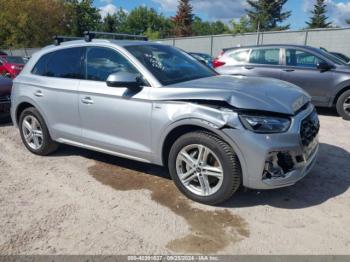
(305, 51)
(114, 50)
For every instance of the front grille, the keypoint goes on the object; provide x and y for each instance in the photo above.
(310, 127)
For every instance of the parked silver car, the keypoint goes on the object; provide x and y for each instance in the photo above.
(324, 76)
(156, 104)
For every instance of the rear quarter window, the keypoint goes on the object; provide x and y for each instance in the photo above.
(65, 63)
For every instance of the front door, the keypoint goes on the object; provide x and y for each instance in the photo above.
(113, 118)
(301, 69)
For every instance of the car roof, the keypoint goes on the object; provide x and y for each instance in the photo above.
(271, 45)
(122, 43)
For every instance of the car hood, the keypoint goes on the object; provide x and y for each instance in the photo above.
(343, 69)
(252, 93)
(5, 86)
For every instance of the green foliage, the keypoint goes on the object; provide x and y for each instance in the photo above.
(142, 20)
(84, 16)
(115, 23)
(183, 19)
(348, 21)
(319, 18)
(31, 23)
(199, 27)
(268, 14)
(242, 26)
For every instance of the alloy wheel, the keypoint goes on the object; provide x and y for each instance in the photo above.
(346, 105)
(199, 170)
(32, 132)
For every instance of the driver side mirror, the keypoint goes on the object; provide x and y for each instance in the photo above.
(323, 66)
(125, 80)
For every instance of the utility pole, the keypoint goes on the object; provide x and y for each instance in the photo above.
(258, 34)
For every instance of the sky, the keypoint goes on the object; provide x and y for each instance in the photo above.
(338, 10)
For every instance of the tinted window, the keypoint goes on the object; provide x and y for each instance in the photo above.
(169, 65)
(40, 67)
(265, 56)
(65, 63)
(301, 58)
(101, 62)
(15, 59)
(240, 56)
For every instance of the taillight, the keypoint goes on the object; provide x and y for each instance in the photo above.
(218, 63)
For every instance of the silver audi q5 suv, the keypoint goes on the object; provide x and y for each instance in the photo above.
(156, 104)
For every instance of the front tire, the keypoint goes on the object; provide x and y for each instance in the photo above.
(204, 167)
(343, 105)
(34, 133)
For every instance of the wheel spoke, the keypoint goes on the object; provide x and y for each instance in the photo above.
(204, 183)
(39, 133)
(35, 124)
(185, 157)
(347, 106)
(36, 141)
(203, 153)
(27, 126)
(189, 179)
(212, 171)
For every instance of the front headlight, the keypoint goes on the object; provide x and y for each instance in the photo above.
(265, 124)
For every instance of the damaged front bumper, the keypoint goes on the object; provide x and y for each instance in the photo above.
(278, 160)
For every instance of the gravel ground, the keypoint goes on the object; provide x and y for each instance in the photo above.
(81, 202)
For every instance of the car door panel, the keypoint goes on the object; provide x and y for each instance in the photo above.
(115, 119)
(301, 69)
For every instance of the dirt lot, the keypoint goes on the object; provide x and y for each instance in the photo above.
(81, 202)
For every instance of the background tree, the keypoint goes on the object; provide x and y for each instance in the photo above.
(242, 26)
(348, 21)
(109, 24)
(319, 17)
(183, 19)
(268, 13)
(115, 23)
(200, 27)
(84, 16)
(31, 23)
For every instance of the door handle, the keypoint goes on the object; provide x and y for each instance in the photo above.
(39, 93)
(249, 67)
(288, 70)
(87, 100)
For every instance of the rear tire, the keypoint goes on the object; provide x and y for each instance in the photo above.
(219, 157)
(343, 105)
(34, 133)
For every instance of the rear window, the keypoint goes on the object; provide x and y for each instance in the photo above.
(65, 63)
(15, 60)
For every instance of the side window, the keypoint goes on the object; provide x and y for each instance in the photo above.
(240, 56)
(302, 59)
(65, 63)
(101, 62)
(40, 67)
(265, 56)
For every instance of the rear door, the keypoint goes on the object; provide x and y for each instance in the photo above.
(113, 118)
(264, 62)
(301, 69)
(54, 88)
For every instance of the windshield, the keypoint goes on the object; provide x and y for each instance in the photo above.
(14, 60)
(333, 58)
(169, 65)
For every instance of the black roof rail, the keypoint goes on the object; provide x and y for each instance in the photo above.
(89, 35)
(60, 39)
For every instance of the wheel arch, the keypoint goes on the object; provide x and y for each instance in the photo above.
(339, 93)
(189, 125)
